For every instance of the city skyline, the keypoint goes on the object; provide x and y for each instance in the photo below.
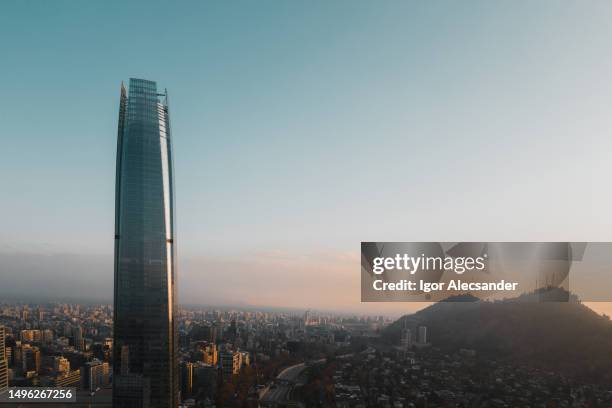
(69, 345)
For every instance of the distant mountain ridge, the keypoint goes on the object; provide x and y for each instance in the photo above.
(563, 336)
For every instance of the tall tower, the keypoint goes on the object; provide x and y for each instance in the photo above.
(406, 337)
(422, 335)
(145, 370)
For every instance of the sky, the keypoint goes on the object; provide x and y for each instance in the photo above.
(299, 130)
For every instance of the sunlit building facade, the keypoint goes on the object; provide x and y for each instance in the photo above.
(145, 371)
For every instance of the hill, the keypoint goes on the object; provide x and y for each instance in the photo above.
(567, 337)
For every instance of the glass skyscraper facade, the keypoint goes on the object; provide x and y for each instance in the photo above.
(145, 370)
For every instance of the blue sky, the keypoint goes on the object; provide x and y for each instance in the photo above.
(303, 128)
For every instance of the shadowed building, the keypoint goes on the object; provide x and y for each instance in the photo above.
(145, 370)
(3, 361)
(30, 358)
(95, 375)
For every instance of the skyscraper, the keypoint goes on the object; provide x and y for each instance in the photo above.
(230, 363)
(145, 370)
(187, 378)
(77, 338)
(422, 335)
(406, 337)
(31, 358)
(94, 375)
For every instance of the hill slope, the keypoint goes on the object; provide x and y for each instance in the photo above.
(565, 337)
